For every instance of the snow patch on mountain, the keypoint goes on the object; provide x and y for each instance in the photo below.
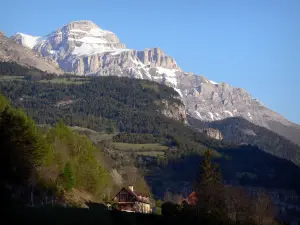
(249, 115)
(198, 114)
(119, 51)
(213, 82)
(88, 49)
(169, 75)
(230, 113)
(179, 92)
(211, 115)
(28, 40)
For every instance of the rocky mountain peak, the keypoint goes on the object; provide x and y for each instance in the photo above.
(81, 25)
(156, 57)
(1, 33)
(83, 48)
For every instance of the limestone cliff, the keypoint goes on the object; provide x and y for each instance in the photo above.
(174, 111)
(213, 133)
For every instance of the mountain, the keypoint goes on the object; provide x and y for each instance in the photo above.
(142, 123)
(12, 51)
(239, 131)
(83, 48)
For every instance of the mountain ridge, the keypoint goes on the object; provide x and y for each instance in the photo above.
(83, 48)
(12, 51)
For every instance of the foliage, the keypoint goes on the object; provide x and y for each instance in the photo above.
(109, 104)
(136, 138)
(74, 155)
(14, 69)
(170, 209)
(68, 176)
(209, 189)
(22, 145)
(131, 108)
(208, 175)
(60, 158)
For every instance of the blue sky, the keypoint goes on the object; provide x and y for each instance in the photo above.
(253, 44)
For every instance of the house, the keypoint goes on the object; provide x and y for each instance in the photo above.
(190, 200)
(129, 201)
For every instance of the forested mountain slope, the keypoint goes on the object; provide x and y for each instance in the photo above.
(138, 112)
(240, 131)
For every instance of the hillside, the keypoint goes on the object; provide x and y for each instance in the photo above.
(141, 130)
(240, 131)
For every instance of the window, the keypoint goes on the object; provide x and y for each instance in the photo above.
(123, 197)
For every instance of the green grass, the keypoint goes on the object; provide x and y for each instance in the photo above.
(138, 147)
(64, 80)
(95, 136)
(158, 211)
(152, 153)
(11, 78)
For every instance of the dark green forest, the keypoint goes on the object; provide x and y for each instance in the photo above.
(43, 156)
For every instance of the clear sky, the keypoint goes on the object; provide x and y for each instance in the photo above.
(253, 44)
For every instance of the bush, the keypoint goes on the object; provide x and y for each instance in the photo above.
(170, 209)
(68, 176)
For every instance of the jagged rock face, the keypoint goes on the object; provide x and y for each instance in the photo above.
(74, 46)
(174, 111)
(83, 48)
(156, 57)
(213, 133)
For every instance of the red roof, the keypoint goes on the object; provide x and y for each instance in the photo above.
(191, 199)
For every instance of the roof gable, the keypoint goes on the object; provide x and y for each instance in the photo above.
(132, 193)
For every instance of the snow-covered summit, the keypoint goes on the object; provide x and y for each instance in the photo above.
(80, 38)
(25, 39)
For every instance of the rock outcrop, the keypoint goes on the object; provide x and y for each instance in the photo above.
(156, 57)
(213, 133)
(174, 111)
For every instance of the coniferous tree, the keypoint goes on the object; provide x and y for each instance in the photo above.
(209, 189)
(23, 148)
(68, 175)
(22, 145)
